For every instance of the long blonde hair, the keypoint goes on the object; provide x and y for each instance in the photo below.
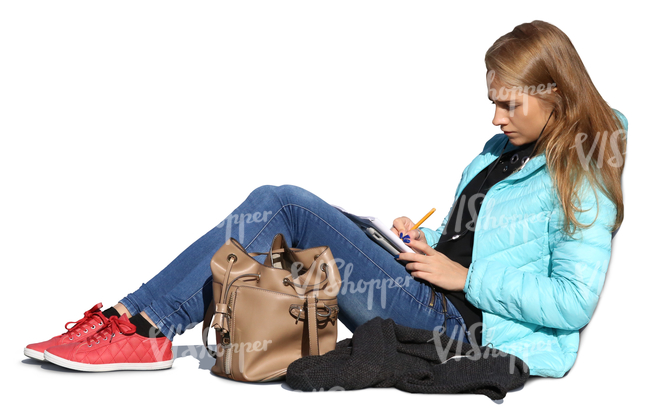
(539, 53)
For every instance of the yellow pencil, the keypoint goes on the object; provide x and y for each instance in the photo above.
(423, 219)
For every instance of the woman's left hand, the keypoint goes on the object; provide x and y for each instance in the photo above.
(434, 266)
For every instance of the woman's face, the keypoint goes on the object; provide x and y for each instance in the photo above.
(520, 115)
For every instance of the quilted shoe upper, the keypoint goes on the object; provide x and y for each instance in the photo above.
(118, 344)
(91, 323)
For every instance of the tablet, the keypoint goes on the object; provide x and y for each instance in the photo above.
(378, 232)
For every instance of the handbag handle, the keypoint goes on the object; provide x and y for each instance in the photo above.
(206, 328)
(312, 326)
(301, 288)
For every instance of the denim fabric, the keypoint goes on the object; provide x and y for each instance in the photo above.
(374, 283)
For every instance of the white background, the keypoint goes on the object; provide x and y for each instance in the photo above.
(130, 128)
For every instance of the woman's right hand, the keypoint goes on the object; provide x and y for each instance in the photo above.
(403, 226)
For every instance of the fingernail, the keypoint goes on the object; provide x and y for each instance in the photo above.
(407, 239)
(401, 235)
(397, 256)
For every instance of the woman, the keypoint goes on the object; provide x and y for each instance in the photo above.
(522, 273)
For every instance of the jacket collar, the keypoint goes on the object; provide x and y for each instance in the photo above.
(531, 165)
(487, 157)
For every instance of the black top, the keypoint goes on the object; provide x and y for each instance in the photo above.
(457, 239)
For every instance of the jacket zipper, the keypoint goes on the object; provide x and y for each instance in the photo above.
(433, 297)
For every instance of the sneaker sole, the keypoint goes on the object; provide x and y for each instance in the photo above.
(34, 354)
(80, 366)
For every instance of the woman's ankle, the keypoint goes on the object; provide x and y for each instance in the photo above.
(148, 319)
(121, 309)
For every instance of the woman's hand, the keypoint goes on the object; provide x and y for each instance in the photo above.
(434, 267)
(402, 228)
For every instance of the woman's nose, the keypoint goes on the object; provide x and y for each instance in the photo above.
(500, 117)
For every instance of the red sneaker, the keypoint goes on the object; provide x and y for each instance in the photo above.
(116, 347)
(93, 321)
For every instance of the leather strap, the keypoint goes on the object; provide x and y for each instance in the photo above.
(226, 279)
(221, 307)
(206, 328)
(253, 254)
(312, 324)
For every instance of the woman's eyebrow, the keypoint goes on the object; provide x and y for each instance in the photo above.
(509, 101)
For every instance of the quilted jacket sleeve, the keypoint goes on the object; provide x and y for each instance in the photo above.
(565, 297)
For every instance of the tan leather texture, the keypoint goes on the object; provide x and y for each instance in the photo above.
(268, 315)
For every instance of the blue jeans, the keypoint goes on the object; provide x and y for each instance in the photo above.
(374, 283)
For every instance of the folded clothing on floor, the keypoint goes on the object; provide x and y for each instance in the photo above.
(383, 354)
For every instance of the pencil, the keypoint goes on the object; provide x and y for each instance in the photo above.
(423, 219)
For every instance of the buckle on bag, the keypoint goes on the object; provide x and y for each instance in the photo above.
(323, 311)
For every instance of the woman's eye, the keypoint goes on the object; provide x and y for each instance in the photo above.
(507, 107)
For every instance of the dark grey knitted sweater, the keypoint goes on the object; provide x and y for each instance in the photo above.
(384, 354)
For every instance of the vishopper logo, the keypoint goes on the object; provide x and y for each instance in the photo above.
(315, 276)
(512, 93)
(198, 352)
(489, 220)
(381, 284)
(443, 347)
(615, 160)
(589, 277)
(462, 203)
(241, 349)
(348, 285)
(244, 347)
(241, 219)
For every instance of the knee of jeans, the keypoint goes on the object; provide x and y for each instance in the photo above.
(284, 193)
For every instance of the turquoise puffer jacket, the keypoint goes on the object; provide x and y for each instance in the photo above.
(536, 287)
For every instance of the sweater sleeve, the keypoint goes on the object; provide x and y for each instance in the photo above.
(566, 295)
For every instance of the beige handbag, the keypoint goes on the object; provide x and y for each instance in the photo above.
(268, 315)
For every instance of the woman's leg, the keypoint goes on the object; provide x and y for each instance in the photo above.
(373, 282)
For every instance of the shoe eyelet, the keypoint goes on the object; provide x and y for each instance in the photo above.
(97, 342)
(101, 323)
(78, 335)
(71, 338)
(90, 345)
(85, 330)
(92, 327)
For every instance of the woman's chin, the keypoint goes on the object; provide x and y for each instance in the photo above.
(514, 140)
(518, 141)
